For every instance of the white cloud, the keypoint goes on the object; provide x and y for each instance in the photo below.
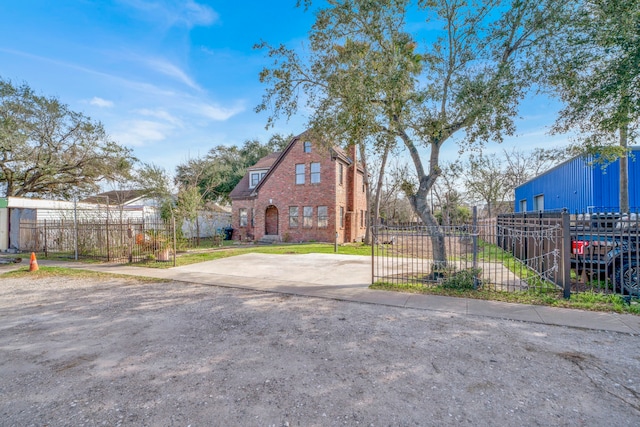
(188, 14)
(139, 133)
(198, 14)
(99, 102)
(215, 112)
(134, 85)
(171, 70)
(160, 114)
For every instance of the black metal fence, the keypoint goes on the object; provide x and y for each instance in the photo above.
(515, 252)
(473, 258)
(605, 252)
(131, 240)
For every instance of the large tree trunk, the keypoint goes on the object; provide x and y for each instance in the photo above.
(419, 198)
(436, 233)
(624, 171)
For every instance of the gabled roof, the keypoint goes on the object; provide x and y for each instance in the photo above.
(337, 152)
(266, 162)
(242, 190)
(281, 156)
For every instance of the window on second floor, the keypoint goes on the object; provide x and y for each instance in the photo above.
(315, 173)
(306, 146)
(255, 178)
(300, 172)
(340, 173)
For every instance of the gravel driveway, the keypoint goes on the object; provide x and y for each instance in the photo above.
(114, 352)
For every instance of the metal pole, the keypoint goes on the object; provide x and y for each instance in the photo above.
(107, 228)
(566, 255)
(173, 226)
(474, 234)
(75, 227)
(46, 253)
(335, 243)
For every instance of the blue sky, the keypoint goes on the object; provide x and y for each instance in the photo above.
(173, 78)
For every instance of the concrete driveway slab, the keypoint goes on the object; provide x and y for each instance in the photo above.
(320, 269)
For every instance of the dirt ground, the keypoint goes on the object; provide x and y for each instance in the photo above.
(77, 352)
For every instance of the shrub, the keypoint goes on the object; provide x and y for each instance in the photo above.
(463, 280)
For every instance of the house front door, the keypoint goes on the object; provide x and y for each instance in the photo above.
(271, 221)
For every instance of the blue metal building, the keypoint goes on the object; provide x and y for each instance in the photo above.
(580, 186)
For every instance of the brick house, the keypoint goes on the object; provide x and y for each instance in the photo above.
(304, 193)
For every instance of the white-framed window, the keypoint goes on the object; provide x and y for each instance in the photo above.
(307, 217)
(306, 146)
(538, 202)
(293, 217)
(315, 173)
(323, 216)
(255, 178)
(523, 205)
(244, 220)
(300, 172)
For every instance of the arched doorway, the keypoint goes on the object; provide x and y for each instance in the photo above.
(271, 221)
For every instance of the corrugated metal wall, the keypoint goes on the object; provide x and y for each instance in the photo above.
(634, 180)
(580, 187)
(568, 185)
(607, 187)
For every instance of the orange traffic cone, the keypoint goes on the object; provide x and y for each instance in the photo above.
(33, 266)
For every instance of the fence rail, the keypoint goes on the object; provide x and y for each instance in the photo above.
(130, 240)
(515, 252)
(405, 255)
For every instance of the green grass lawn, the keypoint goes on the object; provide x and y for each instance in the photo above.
(593, 301)
(44, 272)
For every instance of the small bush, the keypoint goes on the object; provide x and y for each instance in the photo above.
(462, 280)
